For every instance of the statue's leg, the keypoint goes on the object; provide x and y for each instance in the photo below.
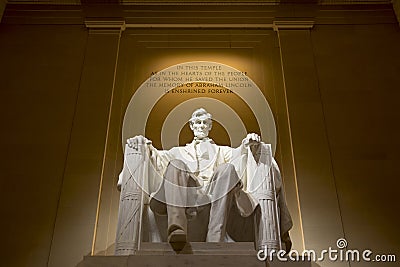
(178, 193)
(221, 189)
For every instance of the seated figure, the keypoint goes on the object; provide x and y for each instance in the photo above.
(234, 185)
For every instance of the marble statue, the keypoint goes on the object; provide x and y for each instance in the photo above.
(234, 183)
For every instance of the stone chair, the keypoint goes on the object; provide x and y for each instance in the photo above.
(138, 226)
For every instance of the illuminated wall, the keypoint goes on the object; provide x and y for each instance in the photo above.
(251, 52)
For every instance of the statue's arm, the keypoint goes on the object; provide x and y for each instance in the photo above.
(252, 140)
(158, 158)
(132, 143)
(138, 139)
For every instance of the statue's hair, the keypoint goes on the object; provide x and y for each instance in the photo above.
(199, 112)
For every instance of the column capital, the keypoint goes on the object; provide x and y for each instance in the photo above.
(107, 25)
(3, 4)
(292, 25)
(396, 7)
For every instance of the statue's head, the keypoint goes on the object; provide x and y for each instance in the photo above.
(200, 123)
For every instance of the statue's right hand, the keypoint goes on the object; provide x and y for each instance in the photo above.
(139, 139)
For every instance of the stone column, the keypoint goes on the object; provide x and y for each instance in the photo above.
(396, 7)
(318, 201)
(3, 4)
(76, 219)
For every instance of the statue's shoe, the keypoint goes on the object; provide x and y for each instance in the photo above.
(177, 239)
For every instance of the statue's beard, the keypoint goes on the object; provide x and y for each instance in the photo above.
(200, 134)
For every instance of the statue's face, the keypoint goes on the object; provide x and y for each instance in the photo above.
(201, 126)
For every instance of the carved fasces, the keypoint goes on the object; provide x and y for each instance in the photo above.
(264, 186)
(131, 199)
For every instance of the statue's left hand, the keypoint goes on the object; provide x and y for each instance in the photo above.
(139, 139)
(251, 139)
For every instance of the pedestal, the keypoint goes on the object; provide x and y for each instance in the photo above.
(195, 254)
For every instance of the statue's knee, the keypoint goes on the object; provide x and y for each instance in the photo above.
(177, 164)
(225, 175)
(225, 167)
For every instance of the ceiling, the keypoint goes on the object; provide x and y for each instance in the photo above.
(135, 2)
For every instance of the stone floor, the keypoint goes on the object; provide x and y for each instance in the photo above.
(194, 254)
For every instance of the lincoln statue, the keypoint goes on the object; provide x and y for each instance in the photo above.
(236, 184)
